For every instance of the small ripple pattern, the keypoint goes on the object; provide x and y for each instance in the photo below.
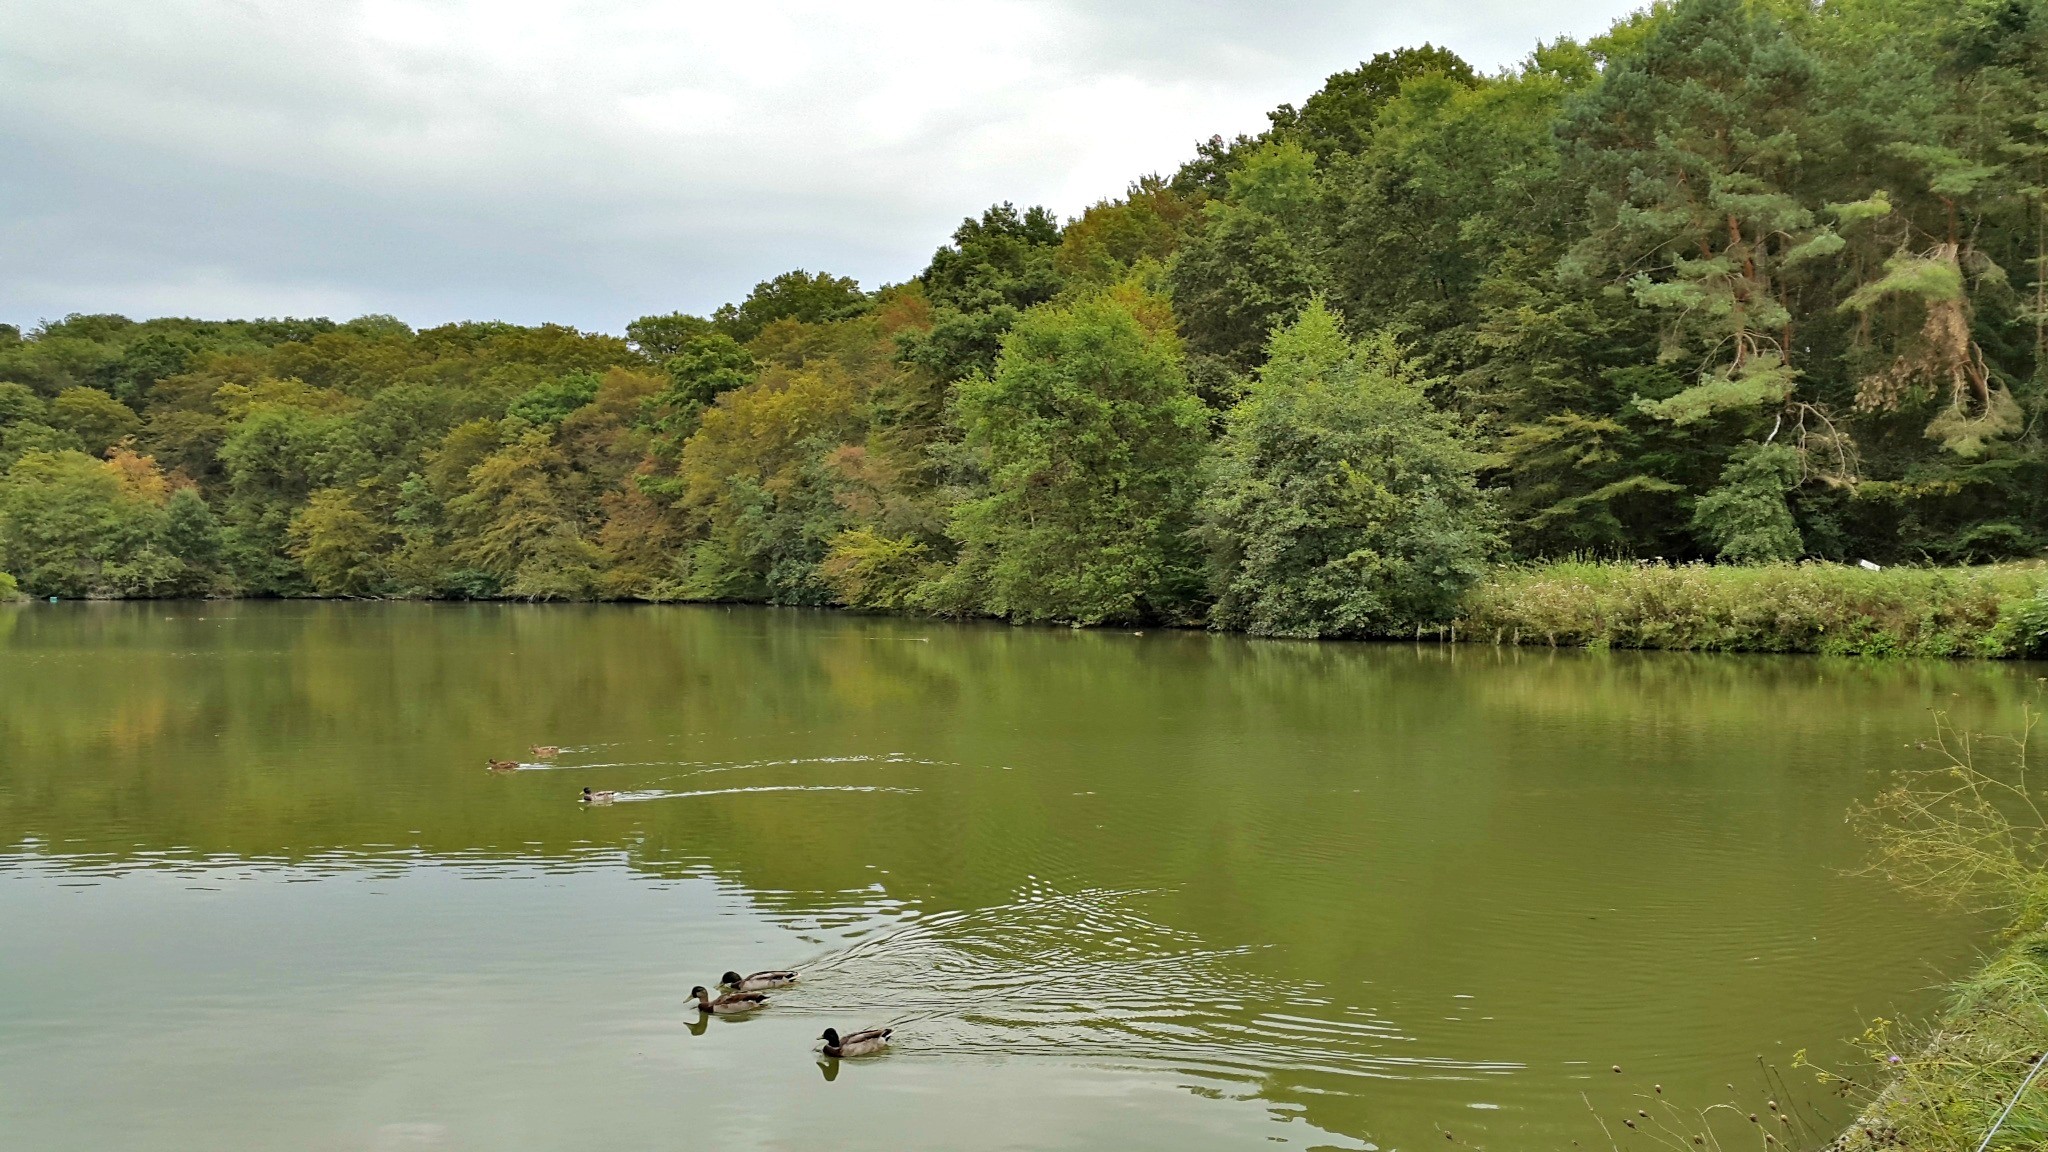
(1082, 975)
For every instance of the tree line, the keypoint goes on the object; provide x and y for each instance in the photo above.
(1739, 281)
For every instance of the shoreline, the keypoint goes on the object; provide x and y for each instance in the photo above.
(1993, 612)
(1976, 1056)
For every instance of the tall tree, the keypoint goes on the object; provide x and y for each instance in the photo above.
(995, 268)
(1689, 148)
(1259, 256)
(1341, 501)
(799, 295)
(1339, 118)
(1090, 436)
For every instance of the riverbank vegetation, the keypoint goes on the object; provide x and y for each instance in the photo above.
(1994, 610)
(1736, 282)
(1971, 831)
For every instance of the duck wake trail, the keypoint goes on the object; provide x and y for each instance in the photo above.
(1082, 974)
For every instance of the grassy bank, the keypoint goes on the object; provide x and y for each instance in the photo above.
(1811, 607)
(1971, 830)
(1947, 1090)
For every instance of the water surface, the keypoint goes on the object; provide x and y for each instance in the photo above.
(1115, 891)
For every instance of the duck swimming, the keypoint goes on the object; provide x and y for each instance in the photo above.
(501, 765)
(590, 797)
(855, 1044)
(759, 980)
(730, 1004)
(545, 751)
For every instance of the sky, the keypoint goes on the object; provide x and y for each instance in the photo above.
(589, 162)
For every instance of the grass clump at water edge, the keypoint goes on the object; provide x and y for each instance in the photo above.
(1947, 1086)
(1806, 607)
(1971, 832)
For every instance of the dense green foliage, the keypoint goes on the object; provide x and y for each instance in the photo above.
(1740, 280)
(1090, 436)
(1341, 503)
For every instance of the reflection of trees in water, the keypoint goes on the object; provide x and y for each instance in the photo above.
(1576, 835)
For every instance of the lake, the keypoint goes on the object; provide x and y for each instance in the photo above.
(1113, 890)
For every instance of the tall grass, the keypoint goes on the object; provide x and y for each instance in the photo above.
(1970, 830)
(1807, 607)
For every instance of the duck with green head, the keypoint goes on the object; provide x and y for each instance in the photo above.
(778, 978)
(855, 1043)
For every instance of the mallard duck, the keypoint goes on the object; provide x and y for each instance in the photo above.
(590, 797)
(545, 751)
(730, 1004)
(501, 765)
(758, 981)
(856, 1044)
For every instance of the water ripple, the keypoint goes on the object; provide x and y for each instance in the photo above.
(1083, 974)
(661, 794)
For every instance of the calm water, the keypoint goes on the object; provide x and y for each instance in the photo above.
(1115, 891)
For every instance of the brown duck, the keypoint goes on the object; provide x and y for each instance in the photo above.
(730, 1004)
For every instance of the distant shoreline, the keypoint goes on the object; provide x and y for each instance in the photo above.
(1994, 612)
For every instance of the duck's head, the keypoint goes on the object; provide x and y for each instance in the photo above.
(699, 992)
(730, 978)
(831, 1036)
(586, 792)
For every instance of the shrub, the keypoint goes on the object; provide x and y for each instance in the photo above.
(866, 569)
(1091, 437)
(1341, 502)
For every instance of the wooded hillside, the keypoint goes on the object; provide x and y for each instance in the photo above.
(1734, 281)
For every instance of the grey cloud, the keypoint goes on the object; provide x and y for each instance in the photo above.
(594, 163)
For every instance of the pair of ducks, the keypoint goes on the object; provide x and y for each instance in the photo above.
(746, 996)
(549, 752)
(540, 752)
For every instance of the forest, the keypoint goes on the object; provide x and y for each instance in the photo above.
(1736, 282)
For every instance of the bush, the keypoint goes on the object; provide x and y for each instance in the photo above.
(1341, 502)
(1091, 437)
(1808, 607)
(2023, 625)
(9, 590)
(74, 526)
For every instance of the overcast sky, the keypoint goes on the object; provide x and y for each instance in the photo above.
(594, 161)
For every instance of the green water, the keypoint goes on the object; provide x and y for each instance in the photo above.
(1114, 891)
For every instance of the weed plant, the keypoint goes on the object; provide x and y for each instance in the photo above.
(1971, 832)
